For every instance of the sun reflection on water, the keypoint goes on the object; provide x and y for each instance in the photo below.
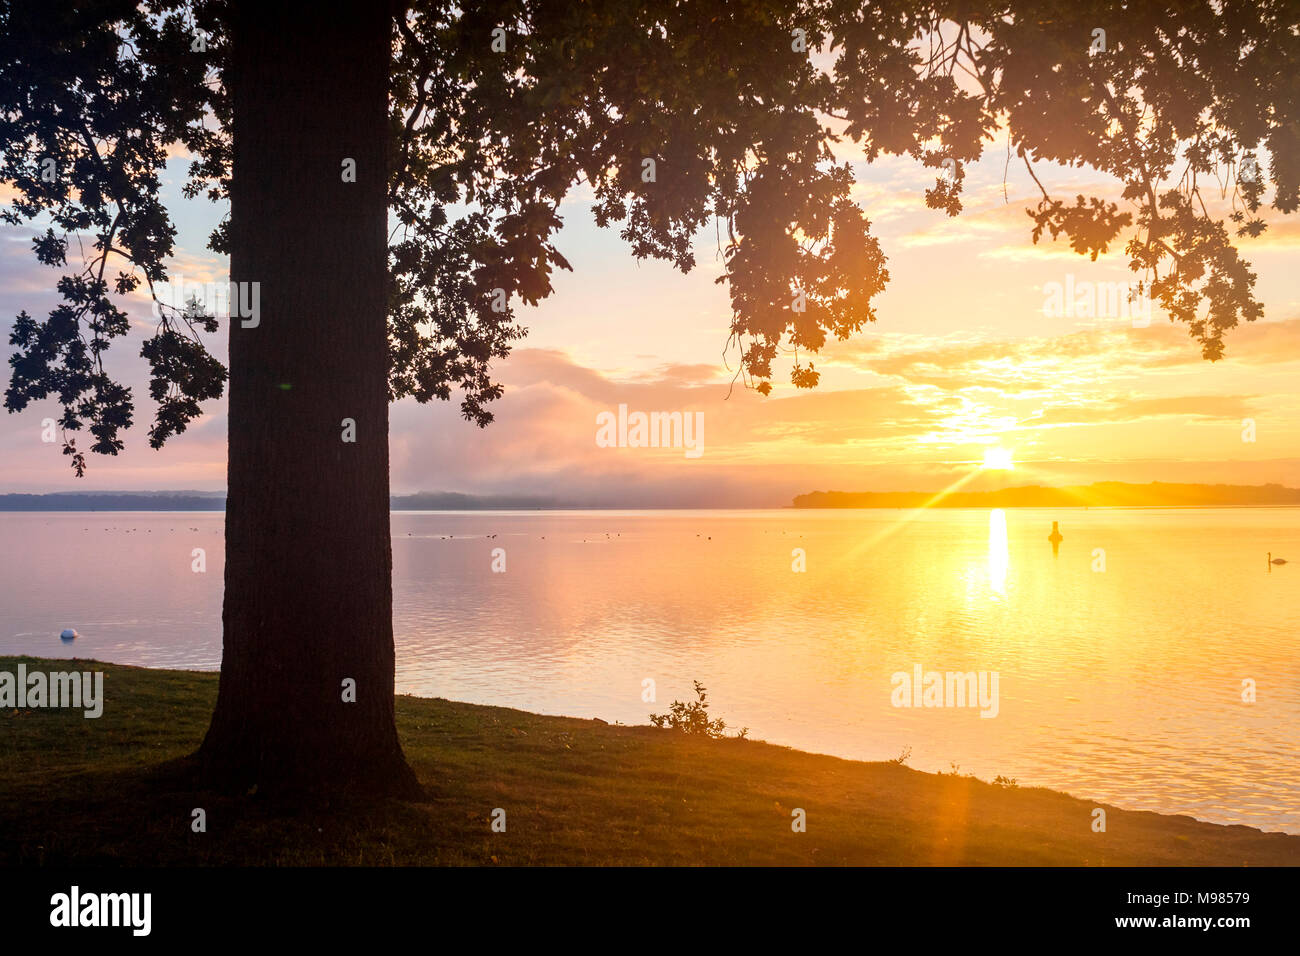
(999, 553)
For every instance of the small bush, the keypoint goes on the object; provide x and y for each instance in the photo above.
(903, 757)
(692, 718)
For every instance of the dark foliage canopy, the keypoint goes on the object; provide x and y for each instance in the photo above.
(500, 109)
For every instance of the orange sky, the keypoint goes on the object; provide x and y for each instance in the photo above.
(962, 358)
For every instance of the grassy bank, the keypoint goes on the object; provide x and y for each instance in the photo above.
(575, 791)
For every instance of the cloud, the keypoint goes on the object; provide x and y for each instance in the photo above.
(1216, 407)
(1107, 351)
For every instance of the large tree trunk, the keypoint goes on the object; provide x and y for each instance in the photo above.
(308, 600)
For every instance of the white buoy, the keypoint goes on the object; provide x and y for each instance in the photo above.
(70, 634)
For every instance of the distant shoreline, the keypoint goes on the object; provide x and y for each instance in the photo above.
(220, 509)
(1101, 494)
(1104, 494)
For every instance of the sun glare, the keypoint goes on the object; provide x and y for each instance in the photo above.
(997, 459)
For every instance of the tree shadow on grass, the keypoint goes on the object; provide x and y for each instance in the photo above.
(162, 815)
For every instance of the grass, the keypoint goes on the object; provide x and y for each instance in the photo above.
(78, 791)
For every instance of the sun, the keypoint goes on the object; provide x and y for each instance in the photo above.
(997, 459)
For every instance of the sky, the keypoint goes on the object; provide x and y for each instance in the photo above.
(966, 355)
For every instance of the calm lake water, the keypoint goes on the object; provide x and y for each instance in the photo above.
(1122, 684)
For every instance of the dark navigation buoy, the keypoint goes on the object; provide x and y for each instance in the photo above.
(1056, 538)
